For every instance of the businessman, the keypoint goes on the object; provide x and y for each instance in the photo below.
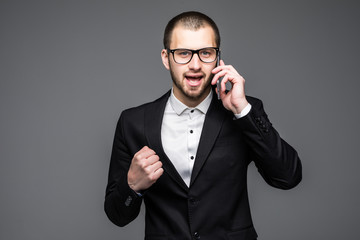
(186, 154)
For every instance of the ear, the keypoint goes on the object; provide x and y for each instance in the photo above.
(165, 58)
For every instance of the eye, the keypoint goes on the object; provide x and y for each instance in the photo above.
(206, 53)
(183, 53)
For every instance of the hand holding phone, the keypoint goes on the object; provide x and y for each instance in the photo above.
(233, 99)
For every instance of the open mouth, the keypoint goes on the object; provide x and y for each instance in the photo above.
(194, 81)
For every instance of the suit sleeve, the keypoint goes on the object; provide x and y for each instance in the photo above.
(122, 204)
(277, 162)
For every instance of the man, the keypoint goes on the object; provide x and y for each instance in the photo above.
(186, 154)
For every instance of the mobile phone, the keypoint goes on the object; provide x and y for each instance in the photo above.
(218, 82)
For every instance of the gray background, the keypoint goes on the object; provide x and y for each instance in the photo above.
(68, 68)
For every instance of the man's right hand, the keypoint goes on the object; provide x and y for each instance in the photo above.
(144, 170)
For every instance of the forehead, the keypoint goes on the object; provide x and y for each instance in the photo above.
(182, 37)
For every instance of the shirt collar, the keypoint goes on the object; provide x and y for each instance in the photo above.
(179, 107)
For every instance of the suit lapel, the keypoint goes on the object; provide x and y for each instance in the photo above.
(213, 121)
(153, 121)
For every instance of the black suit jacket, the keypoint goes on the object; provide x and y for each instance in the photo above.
(215, 206)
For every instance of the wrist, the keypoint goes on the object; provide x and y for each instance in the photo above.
(132, 184)
(244, 112)
(240, 107)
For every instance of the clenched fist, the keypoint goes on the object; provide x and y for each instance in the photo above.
(145, 169)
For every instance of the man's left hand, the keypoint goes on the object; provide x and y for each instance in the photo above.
(234, 100)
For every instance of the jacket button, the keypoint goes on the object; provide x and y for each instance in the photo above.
(196, 235)
(192, 200)
(128, 201)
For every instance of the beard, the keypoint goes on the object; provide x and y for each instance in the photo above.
(200, 93)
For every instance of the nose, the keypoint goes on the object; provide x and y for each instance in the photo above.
(195, 63)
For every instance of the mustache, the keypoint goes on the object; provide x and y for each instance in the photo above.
(194, 73)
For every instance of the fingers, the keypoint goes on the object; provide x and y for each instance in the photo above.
(152, 159)
(155, 170)
(222, 70)
(145, 157)
(227, 76)
(222, 66)
(157, 174)
(145, 152)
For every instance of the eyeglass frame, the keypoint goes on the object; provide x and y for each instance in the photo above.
(193, 52)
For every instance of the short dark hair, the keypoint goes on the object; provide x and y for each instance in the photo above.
(190, 20)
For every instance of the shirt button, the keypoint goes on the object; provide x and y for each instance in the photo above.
(196, 235)
(191, 131)
(192, 157)
(192, 111)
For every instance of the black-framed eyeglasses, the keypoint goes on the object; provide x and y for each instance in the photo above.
(183, 55)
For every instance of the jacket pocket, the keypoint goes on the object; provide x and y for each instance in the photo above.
(246, 234)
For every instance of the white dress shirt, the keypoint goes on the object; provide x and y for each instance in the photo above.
(181, 130)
